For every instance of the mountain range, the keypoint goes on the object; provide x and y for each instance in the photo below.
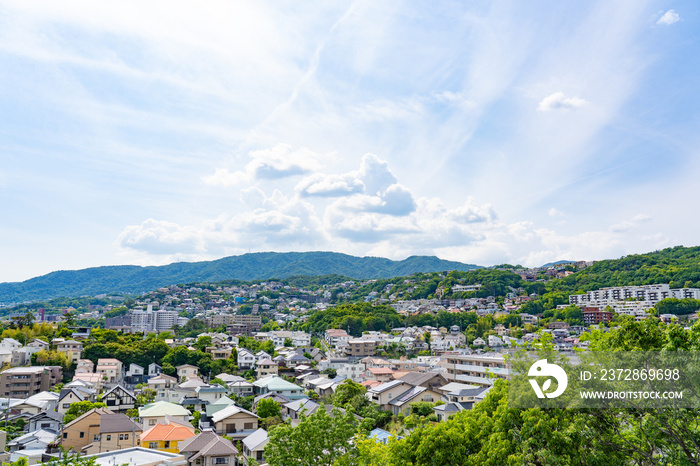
(246, 267)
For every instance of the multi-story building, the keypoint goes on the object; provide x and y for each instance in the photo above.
(252, 323)
(476, 369)
(361, 348)
(23, 382)
(111, 370)
(72, 349)
(593, 315)
(650, 293)
(153, 321)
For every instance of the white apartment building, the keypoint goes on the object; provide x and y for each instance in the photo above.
(651, 294)
(475, 368)
(153, 321)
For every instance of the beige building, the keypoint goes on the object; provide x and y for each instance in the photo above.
(361, 348)
(266, 367)
(234, 419)
(23, 382)
(116, 432)
(111, 369)
(72, 349)
(83, 430)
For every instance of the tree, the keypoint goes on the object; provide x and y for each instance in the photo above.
(268, 407)
(347, 391)
(79, 408)
(320, 439)
(51, 358)
(288, 342)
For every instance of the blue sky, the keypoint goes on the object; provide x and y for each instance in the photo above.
(484, 132)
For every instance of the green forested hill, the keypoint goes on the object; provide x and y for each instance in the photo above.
(678, 266)
(257, 266)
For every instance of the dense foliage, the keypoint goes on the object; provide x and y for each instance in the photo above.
(354, 318)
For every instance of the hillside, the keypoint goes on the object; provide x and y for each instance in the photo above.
(256, 266)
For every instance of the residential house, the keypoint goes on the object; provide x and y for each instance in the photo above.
(34, 441)
(44, 401)
(246, 359)
(39, 345)
(154, 370)
(235, 422)
(119, 399)
(187, 371)
(111, 370)
(71, 395)
(71, 348)
(265, 367)
(156, 412)
(241, 388)
(211, 393)
(278, 385)
(162, 384)
(432, 380)
(83, 430)
(380, 374)
(85, 366)
(383, 394)
(254, 447)
(401, 404)
(47, 420)
(207, 448)
(294, 409)
(167, 436)
(135, 375)
(117, 431)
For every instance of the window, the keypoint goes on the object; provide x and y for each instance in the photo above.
(153, 445)
(221, 460)
(248, 426)
(65, 435)
(121, 436)
(152, 422)
(167, 444)
(95, 438)
(109, 437)
(82, 435)
(66, 405)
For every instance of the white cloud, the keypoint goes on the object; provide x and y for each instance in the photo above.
(321, 185)
(554, 212)
(643, 218)
(269, 164)
(668, 18)
(161, 237)
(558, 101)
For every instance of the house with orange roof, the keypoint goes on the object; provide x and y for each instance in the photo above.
(166, 437)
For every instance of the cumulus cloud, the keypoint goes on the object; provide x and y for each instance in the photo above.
(161, 237)
(554, 212)
(275, 163)
(559, 101)
(321, 185)
(278, 221)
(668, 18)
(373, 178)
